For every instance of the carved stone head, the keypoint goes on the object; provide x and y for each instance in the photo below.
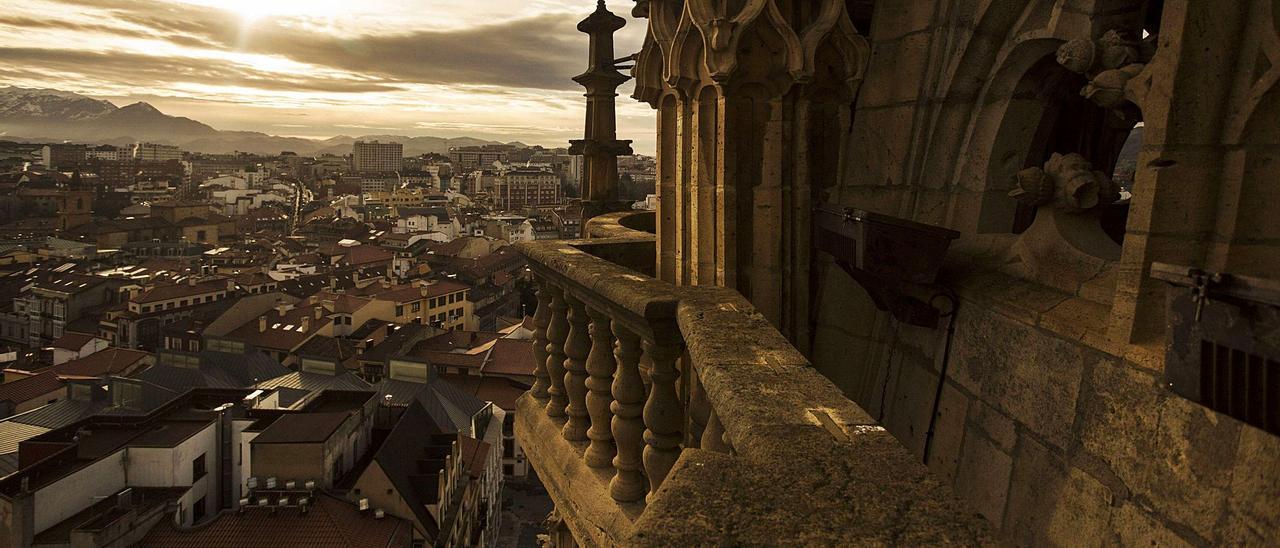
(1078, 55)
(1068, 178)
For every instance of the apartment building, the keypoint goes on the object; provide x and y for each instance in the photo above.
(520, 189)
(375, 157)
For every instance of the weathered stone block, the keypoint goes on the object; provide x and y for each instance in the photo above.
(895, 19)
(982, 478)
(1032, 377)
(994, 425)
(1132, 526)
(889, 81)
(949, 433)
(1081, 512)
(1036, 480)
(909, 403)
(1254, 508)
(1173, 453)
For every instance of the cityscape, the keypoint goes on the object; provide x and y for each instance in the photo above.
(561, 273)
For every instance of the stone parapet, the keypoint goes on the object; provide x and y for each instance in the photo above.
(718, 429)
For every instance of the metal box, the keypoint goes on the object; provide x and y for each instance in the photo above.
(1223, 343)
(881, 245)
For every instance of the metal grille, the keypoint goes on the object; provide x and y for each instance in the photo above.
(1243, 385)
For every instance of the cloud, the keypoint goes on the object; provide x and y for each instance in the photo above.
(145, 71)
(539, 51)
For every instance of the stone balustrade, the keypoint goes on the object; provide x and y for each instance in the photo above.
(675, 415)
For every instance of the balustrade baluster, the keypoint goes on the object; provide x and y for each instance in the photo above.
(713, 435)
(576, 348)
(541, 318)
(628, 484)
(557, 332)
(663, 414)
(698, 409)
(600, 366)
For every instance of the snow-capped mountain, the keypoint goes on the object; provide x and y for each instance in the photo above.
(49, 104)
(48, 114)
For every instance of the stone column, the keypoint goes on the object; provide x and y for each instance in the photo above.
(600, 366)
(576, 348)
(541, 318)
(748, 101)
(600, 146)
(628, 484)
(663, 414)
(557, 332)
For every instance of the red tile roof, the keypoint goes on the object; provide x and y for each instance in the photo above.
(366, 254)
(302, 428)
(283, 332)
(410, 293)
(330, 523)
(111, 361)
(29, 388)
(180, 290)
(73, 341)
(510, 357)
(474, 453)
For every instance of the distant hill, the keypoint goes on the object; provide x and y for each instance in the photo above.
(53, 115)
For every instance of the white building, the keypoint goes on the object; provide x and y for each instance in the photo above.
(155, 152)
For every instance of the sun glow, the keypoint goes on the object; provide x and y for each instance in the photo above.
(253, 10)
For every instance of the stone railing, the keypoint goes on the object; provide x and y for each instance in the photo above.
(669, 415)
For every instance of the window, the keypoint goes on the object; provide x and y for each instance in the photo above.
(416, 306)
(146, 308)
(399, 310)
(508, 469)
(197, 468)
(183, 302)
(197, 510)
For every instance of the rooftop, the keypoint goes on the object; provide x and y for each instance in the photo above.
(328, 523)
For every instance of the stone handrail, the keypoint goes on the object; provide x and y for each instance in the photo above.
(674, 415)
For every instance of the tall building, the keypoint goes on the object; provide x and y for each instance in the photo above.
(155, 152)
(62, 156)
(367, 157)
(465, 159)
(109, 153)
(523, 188)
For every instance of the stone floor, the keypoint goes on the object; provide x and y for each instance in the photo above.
(525, 505)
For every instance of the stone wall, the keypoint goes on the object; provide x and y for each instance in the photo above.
(1052, 420)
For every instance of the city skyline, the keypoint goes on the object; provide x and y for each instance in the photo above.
(495, 70)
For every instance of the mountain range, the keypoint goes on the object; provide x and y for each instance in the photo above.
(42, 115)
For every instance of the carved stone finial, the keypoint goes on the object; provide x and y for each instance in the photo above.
(1078, 55)
(641, 9)
(1070, 180)
(1109, 63)
(1032, 187)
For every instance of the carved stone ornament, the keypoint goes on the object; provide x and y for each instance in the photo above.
(1067, 179)
(1110, 63)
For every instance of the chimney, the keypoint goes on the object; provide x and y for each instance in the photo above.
(191, 281)
(306, 322)
(262, 323)
(319, 312)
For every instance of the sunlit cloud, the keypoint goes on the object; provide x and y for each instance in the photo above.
(494, 68)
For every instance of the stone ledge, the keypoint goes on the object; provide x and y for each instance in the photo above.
(875, 495)
(580, 492)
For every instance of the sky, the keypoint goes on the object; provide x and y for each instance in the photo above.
(493, 69)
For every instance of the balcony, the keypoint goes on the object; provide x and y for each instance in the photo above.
(667, 415)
